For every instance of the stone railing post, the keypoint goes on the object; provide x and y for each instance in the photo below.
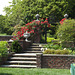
(39, 60)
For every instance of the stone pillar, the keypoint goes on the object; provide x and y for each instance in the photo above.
(36, 38)
(39, 60)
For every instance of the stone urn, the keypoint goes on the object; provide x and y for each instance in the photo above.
(26, 35)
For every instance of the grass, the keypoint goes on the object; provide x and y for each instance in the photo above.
(36, 71)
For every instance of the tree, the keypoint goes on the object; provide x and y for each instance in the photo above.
(2, 23)
(26, 10)
(71, 8)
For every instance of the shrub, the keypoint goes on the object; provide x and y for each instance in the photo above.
(48, 51)
(54, 45)
(66, 31)
(65, 52)
(56, 52)
(49, 39)
(3, 48)
(15, 47)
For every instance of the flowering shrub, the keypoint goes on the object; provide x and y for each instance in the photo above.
(34, 27)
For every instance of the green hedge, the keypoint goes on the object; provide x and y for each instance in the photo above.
(57, 51)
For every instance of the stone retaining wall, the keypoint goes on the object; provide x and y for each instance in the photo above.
(3, 59)
(5, 38)
(34, 38)
(55, 61)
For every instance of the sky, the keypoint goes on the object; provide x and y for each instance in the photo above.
(3, 3)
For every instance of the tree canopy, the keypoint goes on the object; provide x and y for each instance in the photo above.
(2, 23)
(25, 10)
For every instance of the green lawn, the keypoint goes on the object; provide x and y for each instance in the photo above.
(37, 71)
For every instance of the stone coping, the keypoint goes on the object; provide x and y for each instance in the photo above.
(58, 55)
(20, 41)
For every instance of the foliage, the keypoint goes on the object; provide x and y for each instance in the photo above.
(3, 48)
(66, 31)
(49, 51)
(2, 23)
(34, 27)
(23, 11)
(54, 45)
(49, 39)
(16, 47)
(56, 51)
(70, 8)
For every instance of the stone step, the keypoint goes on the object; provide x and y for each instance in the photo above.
(20, 62)
(22, 58)
(19, 66)
(35, 47)
(37, 44)
(33, 51)
(24, 55)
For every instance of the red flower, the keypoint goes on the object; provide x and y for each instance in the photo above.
(31, 26)
(26, 29)
(46, 19)
(61, 22)
(18, 32)
(42, 22)
(49, 25)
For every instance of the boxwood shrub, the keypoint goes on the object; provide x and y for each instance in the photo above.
(56, 52)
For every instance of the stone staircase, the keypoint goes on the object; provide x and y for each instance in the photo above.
(26, 59)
